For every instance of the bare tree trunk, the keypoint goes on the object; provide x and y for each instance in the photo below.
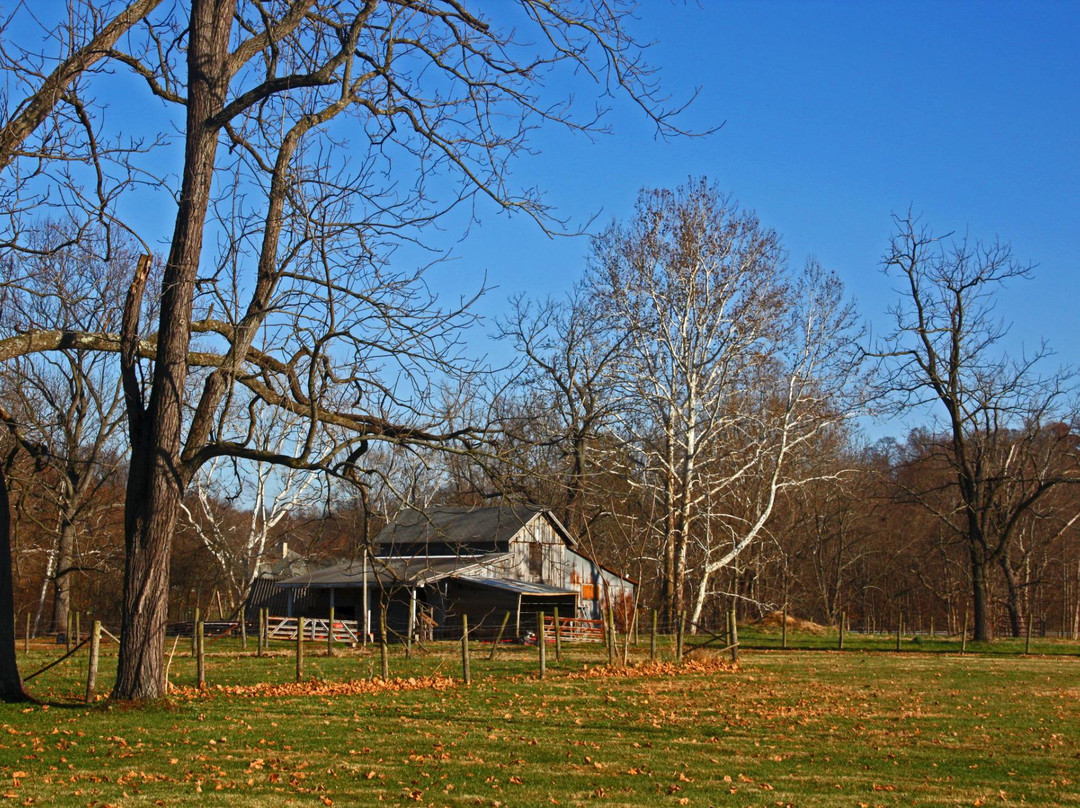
(11, 687)
(670, 596)
(1012, 602)
(65, 551)
(156, 478)
(1075, 628)
(701, 593)
(983, 629)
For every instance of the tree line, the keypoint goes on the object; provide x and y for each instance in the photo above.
(687, 410)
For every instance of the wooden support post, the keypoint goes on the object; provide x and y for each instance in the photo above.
(200, 663)
(652, 638)
(783, 629)
(92, 666)
(67, 632)
(78, 628)
(412, 623)
(1027, 636)
(194, 638)
(840, 642)
(899, 630)
(330, 635)
(558, 636)
(243, 629)
(541, 644)
(680, 627)
(931, 627)
(299, 649)
(963, 636)
(499, 636)
(26, 636)
(466, 674)
(384, 650)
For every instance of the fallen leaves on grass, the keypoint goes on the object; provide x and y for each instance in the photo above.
(702, 665)
(315, 687)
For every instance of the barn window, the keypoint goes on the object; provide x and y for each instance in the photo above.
(588, 591)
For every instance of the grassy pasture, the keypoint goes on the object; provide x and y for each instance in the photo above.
(861, 727)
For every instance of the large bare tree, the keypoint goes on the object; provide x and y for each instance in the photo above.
(565, 401)
(1006, 426)
(347, 127)
(731, 363)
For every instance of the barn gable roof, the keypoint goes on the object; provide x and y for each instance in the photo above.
(458, 531)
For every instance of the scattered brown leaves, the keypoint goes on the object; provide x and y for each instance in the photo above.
(658, 668)
(316, 687)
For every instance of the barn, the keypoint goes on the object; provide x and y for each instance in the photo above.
(428, 568)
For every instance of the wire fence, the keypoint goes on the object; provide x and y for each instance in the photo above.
(634, 638)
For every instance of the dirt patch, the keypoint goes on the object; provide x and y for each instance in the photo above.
(776, 619)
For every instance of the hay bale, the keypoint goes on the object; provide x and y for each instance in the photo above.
(775, 619)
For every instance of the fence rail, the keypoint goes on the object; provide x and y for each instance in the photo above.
(574, 629)
(315, 628)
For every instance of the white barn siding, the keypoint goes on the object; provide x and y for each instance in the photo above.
(539, 554)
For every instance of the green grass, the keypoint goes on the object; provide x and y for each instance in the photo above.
(825, 728)
(756, 637)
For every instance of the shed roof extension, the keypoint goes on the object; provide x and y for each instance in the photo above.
(517, 587)
(389, 572)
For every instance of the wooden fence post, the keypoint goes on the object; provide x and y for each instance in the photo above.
(243, 629)
(499, 636)
(679, 628)
(558, 637)
(611, 636)
(652, 638)
(195, 639)
(26, 636)
(200, 663)
(734, 637)
(299, 649)
(843, 619)
(541, 643)
(261, 632)
(92, 666)
(783, 629)
(963, 636)
(67, 633)
(330, 635)
(466, 674)
(1027, 636)
(384, 650)
(899, 629)
(78, 628)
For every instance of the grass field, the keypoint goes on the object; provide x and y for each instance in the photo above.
(863, 727)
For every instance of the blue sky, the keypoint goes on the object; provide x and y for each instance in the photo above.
(836, 115)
